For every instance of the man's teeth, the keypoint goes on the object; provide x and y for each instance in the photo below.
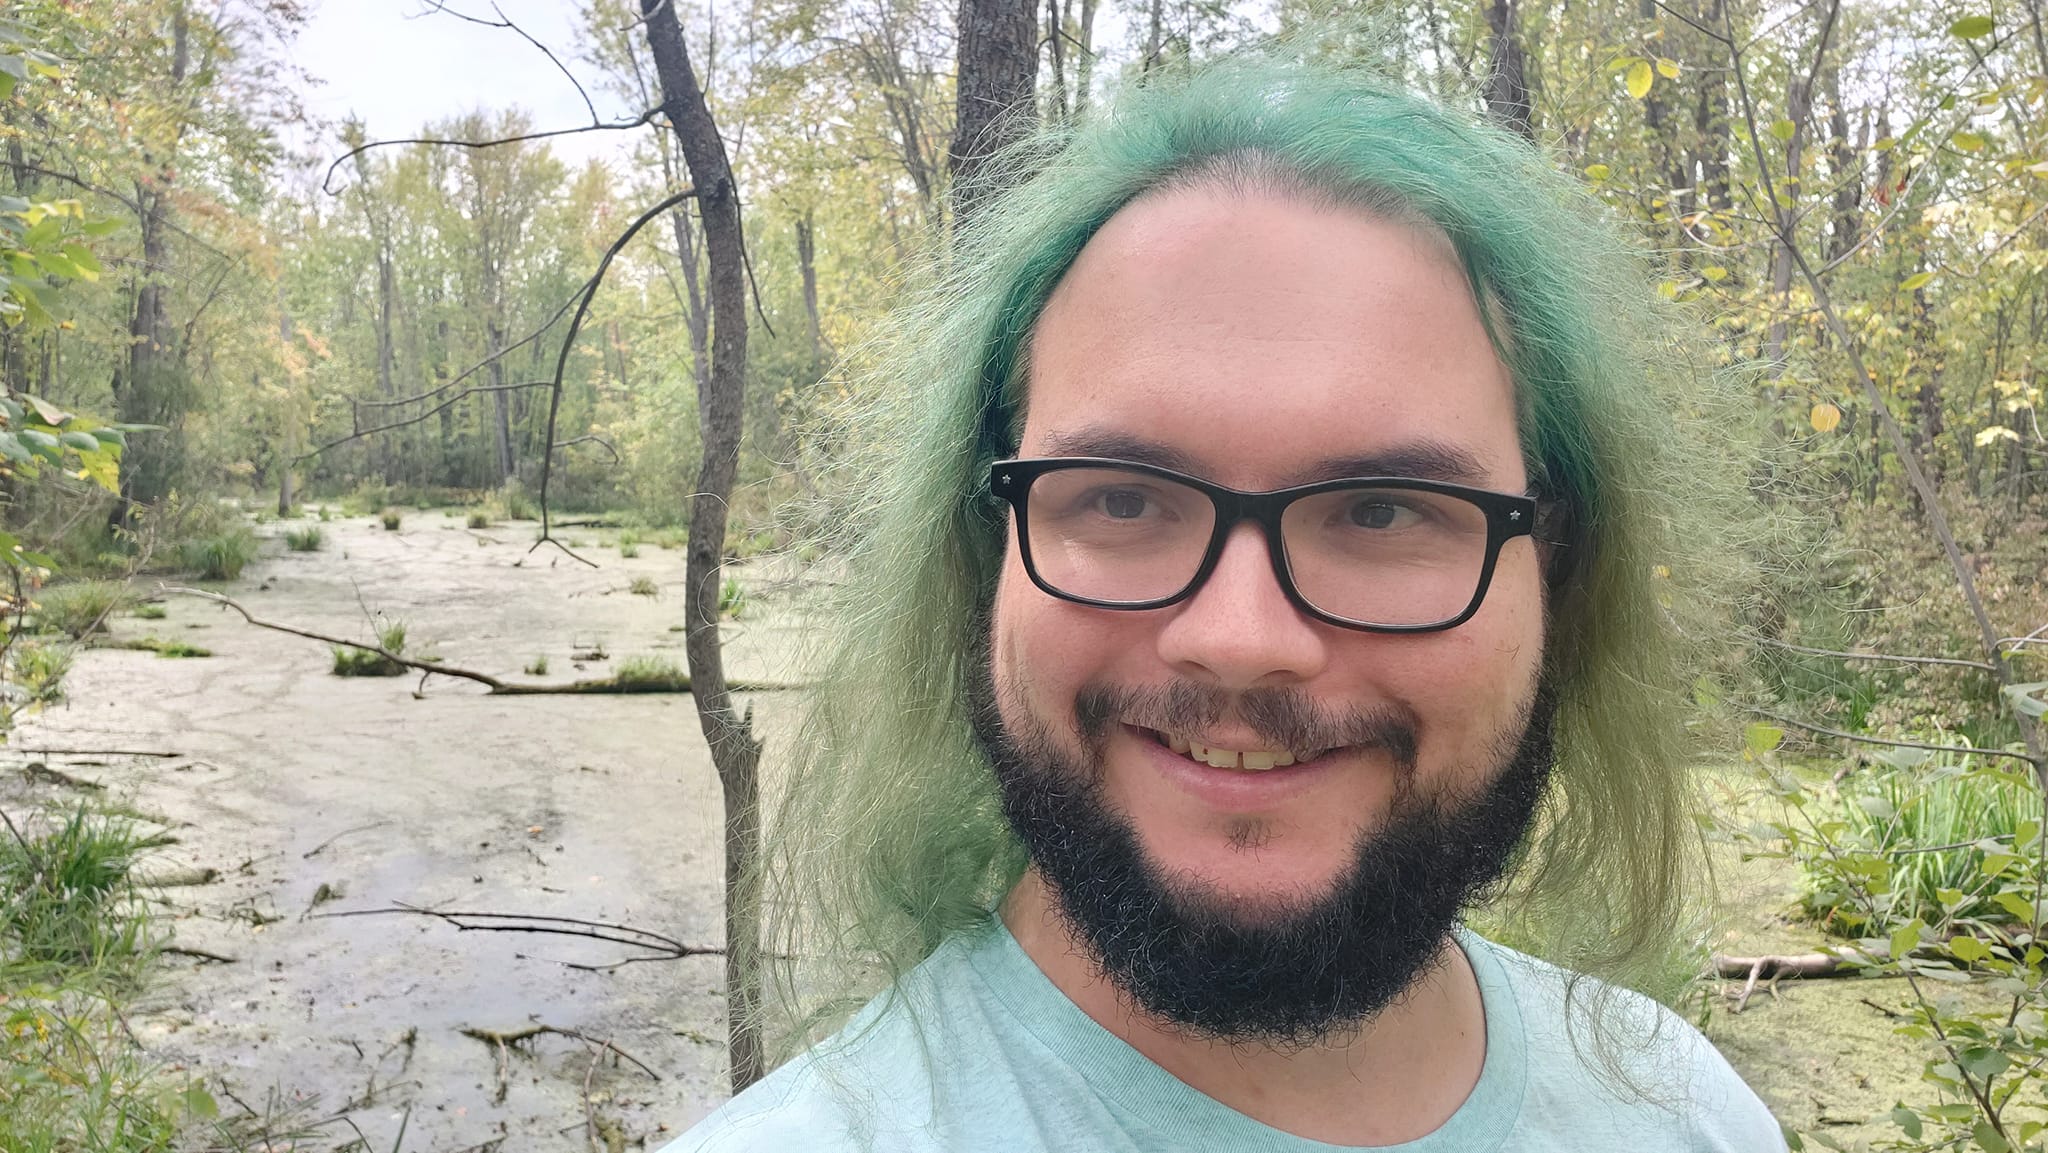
(1254, 760)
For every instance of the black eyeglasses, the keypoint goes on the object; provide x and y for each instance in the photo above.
(1383, 554)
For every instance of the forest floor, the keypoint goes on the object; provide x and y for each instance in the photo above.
(309, 795)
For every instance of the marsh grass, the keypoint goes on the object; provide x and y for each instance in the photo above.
(649, 673)
(307, 538)
(221, 556)
(393, 519)
(76, 608)
(479, 519)
(350, 662)
(644, 586)
(150, 611)
(732, 598)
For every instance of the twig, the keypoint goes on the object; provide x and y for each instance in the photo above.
(1984, 665)
(309, 854)
(1823, 729)
(537, 1029)
(660, 947)
(97, 753)
(38, 771)
(202, 954)
(326, 182)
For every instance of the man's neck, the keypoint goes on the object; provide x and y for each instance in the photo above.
(1396, 1079)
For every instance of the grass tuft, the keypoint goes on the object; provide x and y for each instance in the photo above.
(649, 673)
(644, 586)
(537, 667)
(350, 662)
(392, 519)
(479, 519)
(76, 608)
(220, 557)
(309, 538)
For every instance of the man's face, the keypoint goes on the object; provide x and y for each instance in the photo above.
(1260, 343)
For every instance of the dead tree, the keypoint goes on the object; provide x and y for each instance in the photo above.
(734, 749)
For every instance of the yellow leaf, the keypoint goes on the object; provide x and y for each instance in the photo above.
(1825, 417)
(1667, 67)
(1715, 273)
(1597, 172)
(1639, 79)
(1968, 141)
(1915, 282)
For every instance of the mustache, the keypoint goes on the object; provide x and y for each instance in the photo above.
(1285, 718)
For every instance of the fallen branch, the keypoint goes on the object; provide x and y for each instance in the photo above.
(315, 851)
(1774, 966)
(201, 954)
(529, 1032)
(38, 771)
(679, 683)
(98, 753)
(660, 947)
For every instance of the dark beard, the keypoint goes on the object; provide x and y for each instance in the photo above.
(1290, 976)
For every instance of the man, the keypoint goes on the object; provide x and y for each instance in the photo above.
(1288, 540)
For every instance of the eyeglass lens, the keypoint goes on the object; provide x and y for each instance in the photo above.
(1372, 555)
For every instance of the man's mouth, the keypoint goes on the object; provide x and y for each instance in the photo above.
(1218, 757)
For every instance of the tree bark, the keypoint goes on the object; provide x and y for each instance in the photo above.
(734, 749)
(807, 265)
(1507, 77)
(998, 69)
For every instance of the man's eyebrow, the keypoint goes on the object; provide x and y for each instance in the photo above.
(1423, 459)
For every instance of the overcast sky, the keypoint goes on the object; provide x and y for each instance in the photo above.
(396, 65)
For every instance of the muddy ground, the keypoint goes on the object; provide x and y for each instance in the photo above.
(313, 795)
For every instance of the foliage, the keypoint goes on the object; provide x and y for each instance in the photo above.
(62, 896)
(76, 608)
(151, 611)
(537, 667)
(392, 518)
(306, 538)
(732, 598)
(221, 556)
(644, 586)
(645, 672)
(354, 662)
(479, 519)
(35, 673)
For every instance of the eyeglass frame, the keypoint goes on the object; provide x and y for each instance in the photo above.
(1508, 516)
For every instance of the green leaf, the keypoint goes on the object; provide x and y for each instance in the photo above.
(1972, 27)
(1916, 282)
(1640, 78)
(42, 444)
(111, 436)
(49, 413)
(1996, 863)
(6, 85)
(1987, 1136)
(1761, 738)
(105, 227)
(2020, 907)
(201, 1103)
(57, 265)
(2024, 700)
(82, 441)
(1907, 1120)
(1968, 141)
(1783, 129)
(1968, 950)
(11, 448)
(13, 65)
(1906, 938)
(89, 267)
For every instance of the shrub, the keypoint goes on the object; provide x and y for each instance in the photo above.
(518, 505)
(629, 544)
(479, 519)
(307, 539)
(644, 586)
(392, 519)
(36, 671)
(537, 667)
(76, 608)
(221, 556)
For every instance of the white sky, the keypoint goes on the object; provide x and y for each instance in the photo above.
(396, 65)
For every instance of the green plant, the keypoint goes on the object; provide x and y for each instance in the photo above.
(392, 519)
(150, 611)
(175, 649)
(308, 538)
(649, 673)
(537, 667)
(66, 893)
(76, 608)
(479, 519)
(644, 586)
(517, 503)
(629, 544)
(221, 556)
(732, 598)
(323, 514)
(671, 538)
(36, 670)
(354, 662)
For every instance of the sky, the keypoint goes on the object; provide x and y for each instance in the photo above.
(396, 64)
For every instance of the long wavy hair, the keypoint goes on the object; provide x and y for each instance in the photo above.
(888, 835)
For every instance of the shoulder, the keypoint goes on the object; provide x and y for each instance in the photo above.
(791, 1108)
(1602, 1057)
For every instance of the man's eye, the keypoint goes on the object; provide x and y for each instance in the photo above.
(1123, 505)
(1379, 515)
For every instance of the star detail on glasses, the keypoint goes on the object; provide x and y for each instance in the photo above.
(1515, 514)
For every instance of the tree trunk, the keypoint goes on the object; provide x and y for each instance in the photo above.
(734, 749)
(1507, 76)
(807, 265)
(494, 343)
(998, 68)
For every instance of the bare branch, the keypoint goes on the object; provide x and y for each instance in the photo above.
(326, 182)
(1967, 750)
(1984, 665)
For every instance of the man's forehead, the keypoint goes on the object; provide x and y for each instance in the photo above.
(1419, 458)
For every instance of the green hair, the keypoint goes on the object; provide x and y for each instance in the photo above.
(890, 836)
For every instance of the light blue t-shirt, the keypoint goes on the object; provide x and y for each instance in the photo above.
(980, 1053)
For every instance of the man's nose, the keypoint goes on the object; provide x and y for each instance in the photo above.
(1239, 630)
